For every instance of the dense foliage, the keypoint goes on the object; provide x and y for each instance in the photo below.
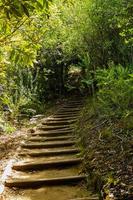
(115, 93)
(41, 40)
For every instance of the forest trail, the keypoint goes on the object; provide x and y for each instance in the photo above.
(48, 165)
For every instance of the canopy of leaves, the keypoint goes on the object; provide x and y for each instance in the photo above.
(40, 39)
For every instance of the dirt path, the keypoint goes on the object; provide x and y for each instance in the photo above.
(48, 164)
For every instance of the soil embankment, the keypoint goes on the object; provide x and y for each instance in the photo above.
(107, 154)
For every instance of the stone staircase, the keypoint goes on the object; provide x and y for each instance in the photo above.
(50, 158)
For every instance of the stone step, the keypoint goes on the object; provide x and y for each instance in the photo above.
(61, 114)
(48, 144)
(47, 128)
(48, 173)
(68, 112)
(50, 152)
(71, 105)
(56, 130)
(75, 110)
(72, 108)
(52, 133)
(42, 139)
(53, 118)
(43, 165)
(74, 104)
(76, 100)
(61, 122)
(29, 183)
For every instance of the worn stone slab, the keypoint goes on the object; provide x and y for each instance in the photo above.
(29, 183)
(50, 152)
(24, 166)
(48, 144)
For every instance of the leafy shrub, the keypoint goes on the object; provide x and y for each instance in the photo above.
(115, 95)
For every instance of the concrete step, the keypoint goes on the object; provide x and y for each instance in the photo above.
(38, 153)
(31, 183)
(48, 144)
(43, 165)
